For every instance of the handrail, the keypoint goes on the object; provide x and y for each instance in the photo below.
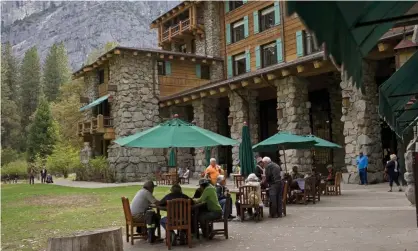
(175, 29)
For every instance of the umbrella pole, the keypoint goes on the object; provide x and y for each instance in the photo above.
(177, 164)
(284, 158)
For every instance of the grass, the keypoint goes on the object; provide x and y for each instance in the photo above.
(32, 214)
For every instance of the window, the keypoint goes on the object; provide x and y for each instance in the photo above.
(267, 18)
(311, 45)
(182, 48)
(235, 4)
(239, 64)
(100, 75)
(205, 72)
(238, 32)
(161, 68)
(269, 54)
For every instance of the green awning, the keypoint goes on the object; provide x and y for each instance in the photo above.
(94, 103)
(395, 93)
(349, 29)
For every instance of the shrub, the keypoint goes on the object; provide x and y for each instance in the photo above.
(9, 155)
(97, 170)
(19, 167)
(63, 160)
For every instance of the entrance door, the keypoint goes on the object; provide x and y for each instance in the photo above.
(268, 125)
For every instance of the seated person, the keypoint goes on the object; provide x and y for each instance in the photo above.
(331, 175)
(175, 193)
(214, 210)
(186, 173)
(140, 209)
(180, 172)
(198, 193)
(252, 180)
(49, 179)
(294, 175)
(222, 191)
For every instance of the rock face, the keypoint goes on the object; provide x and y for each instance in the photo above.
(82, 26)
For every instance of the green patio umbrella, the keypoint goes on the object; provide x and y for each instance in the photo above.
(246, 156)
(322, 143)
(207, 155)
(172, 162)
(284, 141)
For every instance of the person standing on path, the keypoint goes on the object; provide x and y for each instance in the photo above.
(392, 170)
(31, 177)
(273, 178)
(43, 175)
(362, 163)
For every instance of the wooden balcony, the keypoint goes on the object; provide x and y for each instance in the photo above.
(98, 125)
(103, 89)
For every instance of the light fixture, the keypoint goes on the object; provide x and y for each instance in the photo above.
(230, 120)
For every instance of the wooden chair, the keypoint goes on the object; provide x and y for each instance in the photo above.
(239, 180)
(130, 224)
(309, 191)
(179, 217)
(159, 178)
(284, 198)
(185, 180)
(244, 197)
(265, 197)
(336, 188)
(224, 220)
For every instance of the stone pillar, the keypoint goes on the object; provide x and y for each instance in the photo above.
(292, 97)
(210, 17)
(337, 126)
(204, 114)
(362, 123)
(91, 81)
(409, 166)
(243, 107)
(134, 108)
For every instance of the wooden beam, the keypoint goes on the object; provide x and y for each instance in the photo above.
(117, 52)
(185, 99)
(271, 76)
(203, 94)
(95, 65)
(204, 61)
(149, 54)
(222, 89)
(382, 46)
(169, 103)
(213, 62)
(300, 68)
(177, 101)
(171, 57)
(257, 80)
(193, 59)
(285, 73)
(86, 69)
(181, 58)
(135, 53)
(194, 96)
(317, 64)
(233, 86)
(244, 83)
(162, 105)
(99, 62)
(213, 92)
(108, 55)
(103, 58)
(161, 56)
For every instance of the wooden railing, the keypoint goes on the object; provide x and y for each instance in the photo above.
(176, 29)
(95, 125)
(171, 85)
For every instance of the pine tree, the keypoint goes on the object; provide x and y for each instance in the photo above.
(10, 122)
(42, 134)
(30, 73)
(56, 71)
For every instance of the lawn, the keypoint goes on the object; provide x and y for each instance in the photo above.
(32, 214)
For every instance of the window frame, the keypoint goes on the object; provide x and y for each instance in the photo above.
(161, 71)
(235, 59)
(240, 26)
(101, 76)
(232, 5)
(261, 21)
(272, 44)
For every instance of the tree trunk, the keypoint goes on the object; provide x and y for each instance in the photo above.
(103, 240)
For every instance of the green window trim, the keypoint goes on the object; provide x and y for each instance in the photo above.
(299, 44)
(257, 57)
(247, 61)
(226, 4)
(256, 22)
(228, 33)
(246, 33)
(229, 67)
(198, 71)
(279, 48)
(277, 13)
(167, 67)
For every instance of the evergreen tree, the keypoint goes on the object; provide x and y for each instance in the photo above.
(56, 71)
(10, 122)
(42, 132)
(30, 73)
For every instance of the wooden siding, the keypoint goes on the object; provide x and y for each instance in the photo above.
(252, 40)
(291, 26)
(182, 77)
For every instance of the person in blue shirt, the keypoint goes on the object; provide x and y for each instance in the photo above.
(362, 163)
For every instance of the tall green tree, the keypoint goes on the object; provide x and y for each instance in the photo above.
(42, 134)
(10, 122)
(30, 73)
(56, 71)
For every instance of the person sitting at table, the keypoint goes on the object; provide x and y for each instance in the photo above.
(175, 193)
(331, 175)
(140, 209)
(252, 180)
(213, 171)
(222, 191)
(214, 209)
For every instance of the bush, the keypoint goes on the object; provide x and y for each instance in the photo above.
(97, 170)
(19, 167)
(9, 155)
(63, 160)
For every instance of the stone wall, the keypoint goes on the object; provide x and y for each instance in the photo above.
(134, 108)
(91, 82)
(292, 97)
(362, 123)
(204, 114)
(243, 107)
(209, 15)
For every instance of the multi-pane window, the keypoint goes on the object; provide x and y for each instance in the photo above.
(161, 68)
(267, 19)
(183, 48)
(101, 76)
(235, 4)
(205, 72)
(238, 32)
(269, 54)
(239, 64)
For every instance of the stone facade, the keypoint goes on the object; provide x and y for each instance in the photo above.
(204, 115)
(292, 97)
(134, 108)
(409, 166)
(91, 80)
(362, 123)
(243, 108)
(210, 44)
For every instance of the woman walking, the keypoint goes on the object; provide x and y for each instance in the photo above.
(392, 170)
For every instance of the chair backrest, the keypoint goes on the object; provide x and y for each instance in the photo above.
(244, 194)
(158, 175)
(239, 180)
(227, 213)
(126, 209)
(172, 170)
(285, 188)
(310, 184)
(179, 213)
(338, 178)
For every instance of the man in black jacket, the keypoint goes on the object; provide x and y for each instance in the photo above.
(273, 178)
(222, 191)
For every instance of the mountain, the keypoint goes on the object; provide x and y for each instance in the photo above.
(82, 26)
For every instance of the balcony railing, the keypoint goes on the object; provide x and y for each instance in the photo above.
(176, 29)
(95, 125)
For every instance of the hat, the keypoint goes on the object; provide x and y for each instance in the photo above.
(259, 159)
(203, 181)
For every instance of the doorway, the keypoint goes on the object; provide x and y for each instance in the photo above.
(268, 125)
